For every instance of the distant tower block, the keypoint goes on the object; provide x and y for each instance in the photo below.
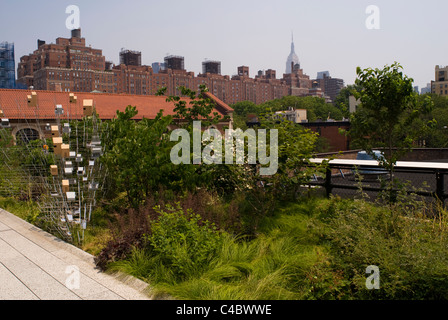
(73, 98)
(130, 58)
(88, 107)
(243, 71)
(270, 74)
(32, 99)
(175, 63)
(211, 67)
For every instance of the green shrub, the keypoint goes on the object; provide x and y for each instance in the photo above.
(183, 241)
(410, 251)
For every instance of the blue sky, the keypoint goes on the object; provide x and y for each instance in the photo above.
(329, 34)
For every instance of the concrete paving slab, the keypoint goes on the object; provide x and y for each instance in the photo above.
(4, 227)
(37, 265)
(55, 267)
(12, 288)
(36, 279)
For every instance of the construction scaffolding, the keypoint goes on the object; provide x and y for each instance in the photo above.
(62, 174)
(7, 66)
(130, 58)
(210, 66)
(174, 63)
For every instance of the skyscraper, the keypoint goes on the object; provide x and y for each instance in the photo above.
(293, 59)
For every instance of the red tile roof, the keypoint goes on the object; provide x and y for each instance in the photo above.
(14, 104)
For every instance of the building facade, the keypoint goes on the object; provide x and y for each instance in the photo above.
(71, 66)
(68, 65)
(31, 114)
(330, 86)
(440, 84)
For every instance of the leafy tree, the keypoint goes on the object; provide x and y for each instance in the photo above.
(241, 110)
(437, 135)
(316, 107)
(200, 107)
(388, 111)
(137, 155)
(295, 146)
(342, 99)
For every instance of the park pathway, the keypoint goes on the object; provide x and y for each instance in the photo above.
(35, 265)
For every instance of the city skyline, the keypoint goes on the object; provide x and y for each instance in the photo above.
(328, 36)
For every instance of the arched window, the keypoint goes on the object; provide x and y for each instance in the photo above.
(26, 135)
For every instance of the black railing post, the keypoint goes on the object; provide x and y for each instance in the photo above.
(328, 186)
(440, 191)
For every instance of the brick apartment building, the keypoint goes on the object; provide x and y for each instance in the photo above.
(440, 84)
(71, 66)
(330, 86)
(68, 65)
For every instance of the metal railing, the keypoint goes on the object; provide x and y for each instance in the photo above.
(426, 178)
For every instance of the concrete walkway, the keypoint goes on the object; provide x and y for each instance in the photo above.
(35, 265)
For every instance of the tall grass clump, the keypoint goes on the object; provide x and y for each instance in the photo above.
(188, 258)
(410, 250)
(26, 210)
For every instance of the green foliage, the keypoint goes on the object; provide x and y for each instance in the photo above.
(388, 111)
(137, 156)
(342, 99)
(182, 241)
(241, 110)
(199, 107)
(28, 211)
(316, 108)
(410, 250)
(295, 147)
(22, 164)
(437, 135)
(285, 261)
(37, 156)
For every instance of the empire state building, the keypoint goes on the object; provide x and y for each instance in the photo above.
(293, 59)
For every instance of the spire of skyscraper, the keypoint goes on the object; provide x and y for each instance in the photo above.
(292, 58)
